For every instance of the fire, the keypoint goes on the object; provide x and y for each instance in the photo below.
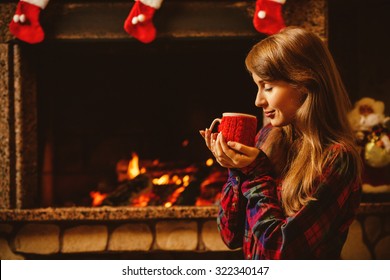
(133, 167)
(97, 198)
(186, 180)
(163, 180)
(159, 187)
(142, 200)
(166, 179)
(209, 162)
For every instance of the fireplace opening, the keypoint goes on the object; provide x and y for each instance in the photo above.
(101, 103)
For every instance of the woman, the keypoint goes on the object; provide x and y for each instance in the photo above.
(294, 195)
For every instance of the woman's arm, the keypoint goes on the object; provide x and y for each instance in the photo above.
(232, 210)
(231, 216)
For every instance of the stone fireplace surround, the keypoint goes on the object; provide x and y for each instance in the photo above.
(28, 232)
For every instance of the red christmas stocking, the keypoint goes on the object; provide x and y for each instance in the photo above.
(139, 22)
(25, 23)
(268, 17)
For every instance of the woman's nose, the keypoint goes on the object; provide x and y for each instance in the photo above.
(260, 100)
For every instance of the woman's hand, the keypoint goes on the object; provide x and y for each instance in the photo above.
(209, 138)
(231, 154)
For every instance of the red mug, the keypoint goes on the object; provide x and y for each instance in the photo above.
(237, 127)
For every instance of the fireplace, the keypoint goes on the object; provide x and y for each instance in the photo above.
(100, 103)
(90, 97)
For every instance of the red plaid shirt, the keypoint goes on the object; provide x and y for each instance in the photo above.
(251, 215)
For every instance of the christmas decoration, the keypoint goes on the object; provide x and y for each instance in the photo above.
(25, 23)
(372, 130)
(139, 22)
(268, 17)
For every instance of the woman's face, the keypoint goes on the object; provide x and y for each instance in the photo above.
(279, 101)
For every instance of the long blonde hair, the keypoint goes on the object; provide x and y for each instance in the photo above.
(301, 59)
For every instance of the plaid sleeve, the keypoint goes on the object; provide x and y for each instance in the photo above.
(320, 222)
(231, 216)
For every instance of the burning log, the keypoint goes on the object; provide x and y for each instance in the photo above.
(166, 184)
(128, 191)
(210, 188)
(192, 192)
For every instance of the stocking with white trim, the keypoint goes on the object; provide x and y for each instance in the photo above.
(25, 23)
(139, 22)
(268, 18)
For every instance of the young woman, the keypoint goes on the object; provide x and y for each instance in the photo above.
(294, 195)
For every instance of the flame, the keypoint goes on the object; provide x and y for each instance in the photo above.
(97, 197)
(133, 167)
(163, 180)
(183, 183)
(176, 180)
(142, 200)
(186, 180)
(173, 197)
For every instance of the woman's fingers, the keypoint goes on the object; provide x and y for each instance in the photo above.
(229, 155)
(208, 138)
(226, 149)
(218, 146)
(242, 149)
(221, 151)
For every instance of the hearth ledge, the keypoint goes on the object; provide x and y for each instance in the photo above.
(137, 213)
(108, 213)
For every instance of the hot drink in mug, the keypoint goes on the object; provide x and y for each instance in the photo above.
(237, 127)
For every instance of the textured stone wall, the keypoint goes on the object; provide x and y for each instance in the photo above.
(17, 241)
(369, 238)
(6, 13)
(5, 130)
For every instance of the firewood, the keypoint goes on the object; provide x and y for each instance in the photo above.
(126, 192)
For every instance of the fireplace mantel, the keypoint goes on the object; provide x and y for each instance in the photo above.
(103, 20)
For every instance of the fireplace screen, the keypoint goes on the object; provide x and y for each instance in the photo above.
(118, 122)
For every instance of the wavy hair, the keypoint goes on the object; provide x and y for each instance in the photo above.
(301, 59)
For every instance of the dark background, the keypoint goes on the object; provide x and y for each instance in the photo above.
(359, 39)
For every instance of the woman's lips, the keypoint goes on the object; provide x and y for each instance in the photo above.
(269, 114)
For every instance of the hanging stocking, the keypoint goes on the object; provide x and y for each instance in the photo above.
(268, 17)
(25, 23)
(139, 22)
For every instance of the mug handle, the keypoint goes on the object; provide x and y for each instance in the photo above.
(214, 122)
